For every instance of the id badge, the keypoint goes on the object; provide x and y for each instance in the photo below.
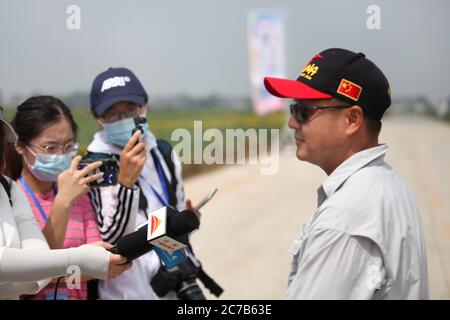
(170, 260)
(59, 296)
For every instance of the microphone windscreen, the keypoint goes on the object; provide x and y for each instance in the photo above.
(182, 223)
(134, 244)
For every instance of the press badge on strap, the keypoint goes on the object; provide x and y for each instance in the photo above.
(59, 296)
(170, 260)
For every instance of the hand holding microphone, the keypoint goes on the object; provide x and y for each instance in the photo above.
(166, 229)
(117, 263)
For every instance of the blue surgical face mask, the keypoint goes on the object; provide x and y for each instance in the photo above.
(119, 132)
(47, 167)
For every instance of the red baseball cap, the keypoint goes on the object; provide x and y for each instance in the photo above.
(338, 73)
(285, 88)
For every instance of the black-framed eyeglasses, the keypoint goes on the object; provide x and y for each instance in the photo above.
(113, 116)
(300, 111)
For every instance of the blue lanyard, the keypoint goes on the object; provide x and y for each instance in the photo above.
(35, 199)
(164, 201)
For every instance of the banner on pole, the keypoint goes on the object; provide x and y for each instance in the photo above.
(267, 56)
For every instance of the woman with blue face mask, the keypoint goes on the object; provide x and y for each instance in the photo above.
(150, 177)
(46, 169)
(118, 124)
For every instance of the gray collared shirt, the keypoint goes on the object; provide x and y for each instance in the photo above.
(365, 241)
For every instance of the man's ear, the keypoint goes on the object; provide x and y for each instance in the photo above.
(145, 110)
(97, 119)
(354, 119)
(20, 148)
(99, 122)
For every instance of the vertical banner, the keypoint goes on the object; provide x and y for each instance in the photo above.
(267, 56)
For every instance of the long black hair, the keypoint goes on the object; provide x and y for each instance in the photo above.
(32, 117)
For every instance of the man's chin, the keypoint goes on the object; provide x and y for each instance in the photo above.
(301, 155)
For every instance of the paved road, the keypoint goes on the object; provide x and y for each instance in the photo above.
(248, 226)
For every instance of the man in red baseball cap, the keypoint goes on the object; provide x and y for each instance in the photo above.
(365, 240)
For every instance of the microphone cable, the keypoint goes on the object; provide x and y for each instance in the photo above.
(55, 294)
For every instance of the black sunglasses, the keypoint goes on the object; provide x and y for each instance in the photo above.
(300, 112)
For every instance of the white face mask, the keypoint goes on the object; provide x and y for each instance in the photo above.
(47, 167)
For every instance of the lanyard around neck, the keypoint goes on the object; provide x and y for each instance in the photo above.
(164, 198)
(35, 199)
(162, 179)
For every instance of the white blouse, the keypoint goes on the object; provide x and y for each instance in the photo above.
(26, 262)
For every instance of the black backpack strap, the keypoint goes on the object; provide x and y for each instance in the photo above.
(143, 203)
(165, 149)
(7, 187)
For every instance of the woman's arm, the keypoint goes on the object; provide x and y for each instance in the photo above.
(72, 184)
(83, 278)
(9, 290)
(56, 226)
(22, 269)
(19, 265)
(30, 235)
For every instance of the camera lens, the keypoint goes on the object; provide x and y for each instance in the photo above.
(189, 290)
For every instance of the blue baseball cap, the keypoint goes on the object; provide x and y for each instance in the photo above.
(116, 85)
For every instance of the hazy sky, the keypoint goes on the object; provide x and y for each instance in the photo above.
(200, 47)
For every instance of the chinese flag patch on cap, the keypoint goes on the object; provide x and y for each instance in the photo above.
(349, 89)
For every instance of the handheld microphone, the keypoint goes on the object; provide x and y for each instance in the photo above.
(166, 229)
(133, 245)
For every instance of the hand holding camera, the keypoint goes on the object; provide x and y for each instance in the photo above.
(109, 168)
(73, 183)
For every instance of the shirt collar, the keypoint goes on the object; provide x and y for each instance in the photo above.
(349, 167)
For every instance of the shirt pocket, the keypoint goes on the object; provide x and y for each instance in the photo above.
(298, 245)
(297, 248)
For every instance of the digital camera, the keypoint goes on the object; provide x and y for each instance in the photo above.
(181, 278)
(109, 167)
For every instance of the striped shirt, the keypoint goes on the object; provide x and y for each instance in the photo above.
(82, 228)
(118, 214)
